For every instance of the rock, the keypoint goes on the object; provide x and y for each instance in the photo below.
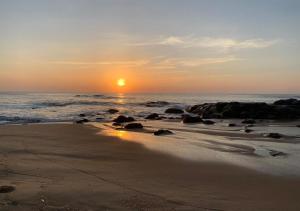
(152, 116)
(191, 119)
(112, 111)
(162, 132)
(99, 119)
(208, 122)
(297, 125)
(290, 101)
(274, 135)
(284, 109)
(116, 124)
(7, 189)
(123, 119)
(131, 126)
(81, 121)
(231, 125)
(248, 130)
(174, 111)
(249, 121)
(156, 104)
(250, 125)
(275, 153)
(82, 115)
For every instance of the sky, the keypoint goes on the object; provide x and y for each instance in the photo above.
(175, 46)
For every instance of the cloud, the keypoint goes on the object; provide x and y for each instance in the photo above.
(130, 63)
(209, 42)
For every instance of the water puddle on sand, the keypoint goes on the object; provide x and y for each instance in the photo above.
(220, 143)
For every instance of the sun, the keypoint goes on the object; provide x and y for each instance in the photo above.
(121, 82)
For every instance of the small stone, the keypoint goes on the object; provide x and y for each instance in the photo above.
(174, 111)
(7, 189)
(133, 126)
(231, 125)
(82, 115)
(275, 153)
(152, 116)
(191, 119)
(112, 111)
(208, 122)
(274, 135)
(122, 119)
(162, 132)
(248, 130)
(81, 121)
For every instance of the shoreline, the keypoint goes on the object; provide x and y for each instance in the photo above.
(72, 167)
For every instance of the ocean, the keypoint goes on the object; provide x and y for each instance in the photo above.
(65, 107)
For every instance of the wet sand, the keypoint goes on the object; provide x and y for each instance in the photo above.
(71, 167)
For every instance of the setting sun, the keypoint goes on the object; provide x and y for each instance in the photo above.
(121, 82)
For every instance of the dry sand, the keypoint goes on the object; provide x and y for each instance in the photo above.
(70, 167)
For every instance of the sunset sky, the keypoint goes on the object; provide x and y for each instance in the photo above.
(155, 45)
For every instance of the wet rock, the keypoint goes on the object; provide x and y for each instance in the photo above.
(162, 132)
(174, 111)
(116, 124)
(297, 125)
(273, 135)
(208, 122)
(112, 111)
(152, 116)
(275, 153)
(191, 119)
(7, 189)
(99, 119)
(81, 121)
(249, 121)
(284, 109)
(231, 125)
(156, 104)
(290, 101)
(246, 130)
(82, 115)
(123, 119)
(131, 126)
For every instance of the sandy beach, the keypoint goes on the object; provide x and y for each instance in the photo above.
(73, 167)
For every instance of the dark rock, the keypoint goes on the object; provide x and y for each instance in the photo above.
(116, 124)
(82, 115)
(131, 126)
(249, 121)
(297, 125)
(191, 119)
(99, 119)
(174, 111)
(162, 132)
(231, 125)
(290, 101)
(286, 109)
(122, 119)
(274, 135)
(7, 189)
(152, 116)
(248, 130)
(156, 104)
(81, 121)
(208, 122)
(112, 111)
(275, 153)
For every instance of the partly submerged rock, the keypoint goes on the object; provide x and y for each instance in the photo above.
(81, 121)
(162, 132)
(231, 125)
(123, 119)
(208, 122)
(286, 109)
(131, 126)
(275, 153)
(174, 111)
(191, 119)
(152, 116)
(273, 135)
(7, 188)
(156, 103)
(112, 111)
(246, 130)
(249, 121)
(82, 115)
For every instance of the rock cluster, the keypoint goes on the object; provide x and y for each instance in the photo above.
(281, 109)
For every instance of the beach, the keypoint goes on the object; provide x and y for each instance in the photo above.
(77, 167)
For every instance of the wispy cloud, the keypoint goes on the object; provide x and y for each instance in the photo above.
(209, 42)
(118, 63)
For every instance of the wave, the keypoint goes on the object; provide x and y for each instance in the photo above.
(69, 103)
(16, 119)
(95, 96)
